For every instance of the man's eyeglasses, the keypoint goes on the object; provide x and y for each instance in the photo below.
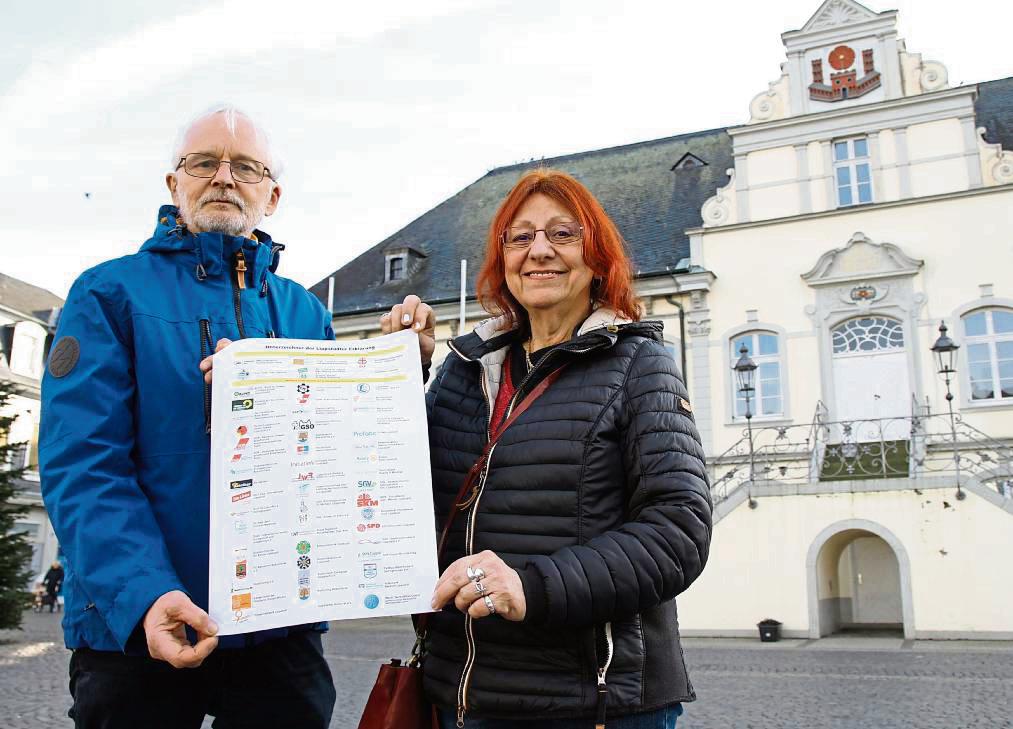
(558, 234)
(250, 171)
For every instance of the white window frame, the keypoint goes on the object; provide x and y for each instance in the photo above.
(27, 345)
(990, 339)
(851, 163)
(388, 265)
(756, 402)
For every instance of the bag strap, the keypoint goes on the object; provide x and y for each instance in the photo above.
(472, 479)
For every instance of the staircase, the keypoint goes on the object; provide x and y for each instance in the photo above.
(922, 445)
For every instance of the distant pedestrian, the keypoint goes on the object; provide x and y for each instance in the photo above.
(53, 582)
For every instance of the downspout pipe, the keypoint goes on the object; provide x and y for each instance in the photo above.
(682, 335)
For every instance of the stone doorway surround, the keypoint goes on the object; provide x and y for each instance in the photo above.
(864, 278)
(814, 574)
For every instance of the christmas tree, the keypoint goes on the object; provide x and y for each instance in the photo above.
(15, 552)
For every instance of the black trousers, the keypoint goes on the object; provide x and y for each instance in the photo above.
(278, 684)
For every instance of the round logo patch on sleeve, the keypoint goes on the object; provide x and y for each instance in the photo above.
(64, 357)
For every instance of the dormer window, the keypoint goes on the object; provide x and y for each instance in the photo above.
(401, 261)
(688, 161)
(395, 268)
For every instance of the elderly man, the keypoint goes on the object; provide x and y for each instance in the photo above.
(125, 453)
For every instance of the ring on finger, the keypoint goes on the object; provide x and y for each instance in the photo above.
(489, 605)
(470, 571)
(479, 588)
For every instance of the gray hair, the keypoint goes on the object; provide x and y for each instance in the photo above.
(232, 114)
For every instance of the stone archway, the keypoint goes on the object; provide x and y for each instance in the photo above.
(823, 571)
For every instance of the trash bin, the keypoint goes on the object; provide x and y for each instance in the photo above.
(770, 630)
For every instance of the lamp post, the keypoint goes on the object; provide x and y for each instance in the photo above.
(945, 350)
(745, 376)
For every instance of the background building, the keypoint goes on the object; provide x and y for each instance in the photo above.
(27, 317)
(863, 203)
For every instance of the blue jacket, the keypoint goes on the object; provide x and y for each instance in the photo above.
(124, 447)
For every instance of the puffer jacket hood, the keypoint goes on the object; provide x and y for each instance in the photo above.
(211, 250)
(598, 497)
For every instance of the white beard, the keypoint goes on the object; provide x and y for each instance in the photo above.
(229, 222)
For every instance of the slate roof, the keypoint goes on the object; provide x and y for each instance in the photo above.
(651, 204)
(27, 299)
(994, 111)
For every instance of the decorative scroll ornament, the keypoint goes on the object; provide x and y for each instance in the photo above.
(921, 77)
(773, 103)
(934, 76)
(720, 209)
(996, 163)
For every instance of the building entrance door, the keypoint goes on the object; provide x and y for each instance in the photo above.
(871, 387)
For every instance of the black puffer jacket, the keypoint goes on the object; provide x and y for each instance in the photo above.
(598, 497)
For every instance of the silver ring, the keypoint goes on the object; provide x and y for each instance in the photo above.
(489, 605)
(471, 573)
(479, 588)
(475, 573)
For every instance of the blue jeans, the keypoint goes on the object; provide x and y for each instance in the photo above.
(659, 719)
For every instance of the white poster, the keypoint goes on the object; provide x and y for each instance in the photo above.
(321, 499)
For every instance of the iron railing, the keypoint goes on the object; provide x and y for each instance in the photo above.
(921, 444)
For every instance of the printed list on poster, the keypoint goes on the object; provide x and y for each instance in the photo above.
(321, 500)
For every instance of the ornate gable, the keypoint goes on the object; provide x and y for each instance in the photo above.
(845, 55)
(861, 259)
(834, 13)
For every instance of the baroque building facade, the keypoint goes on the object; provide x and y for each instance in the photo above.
(864, 203)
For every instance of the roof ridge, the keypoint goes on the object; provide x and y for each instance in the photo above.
(615, 148)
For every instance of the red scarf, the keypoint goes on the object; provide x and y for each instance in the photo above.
(503, 397)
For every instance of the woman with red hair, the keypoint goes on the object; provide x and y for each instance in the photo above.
(589, 512)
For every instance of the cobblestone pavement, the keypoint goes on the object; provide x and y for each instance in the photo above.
(835, 683)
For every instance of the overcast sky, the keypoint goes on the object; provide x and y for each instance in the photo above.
(380, 109)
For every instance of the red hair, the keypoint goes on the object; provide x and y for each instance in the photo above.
(603, 248)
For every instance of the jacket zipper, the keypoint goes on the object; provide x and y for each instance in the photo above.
(469, 662)
(206, 348)
(238, 284)
(602, 670)
(469, 535)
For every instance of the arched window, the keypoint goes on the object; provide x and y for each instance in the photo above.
(764, 349)
(988, 335)
(868, 334)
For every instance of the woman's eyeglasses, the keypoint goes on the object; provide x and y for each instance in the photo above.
(558, 234)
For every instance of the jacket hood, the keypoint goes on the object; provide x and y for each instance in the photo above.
(490, 342)
(603, 325)
(213, 253)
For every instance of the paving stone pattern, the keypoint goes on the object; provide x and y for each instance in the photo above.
(835, 683)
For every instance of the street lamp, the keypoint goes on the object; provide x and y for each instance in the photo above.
(945, 350)
(745, 377)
